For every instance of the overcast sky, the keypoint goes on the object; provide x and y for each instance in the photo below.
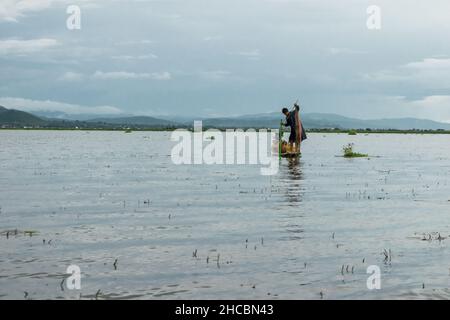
(227, 57)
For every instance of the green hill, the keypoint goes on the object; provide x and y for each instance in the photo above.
(11, 117)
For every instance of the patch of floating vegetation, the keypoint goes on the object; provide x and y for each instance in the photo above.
(352, 133)
(349, 153)
(30, 232)
(128, 131)
(17, 232)
(433, 236)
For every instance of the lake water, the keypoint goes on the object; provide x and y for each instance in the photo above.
(213, 232)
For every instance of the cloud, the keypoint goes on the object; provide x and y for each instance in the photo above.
(71, 76)
(212, 38)
(437, 101)
(134, 42)
(435, 107)
(117, 75)
(15, 46)
(161, 76)
(215, 74)
(29, 105)
(11, 10)
(140, 57)
(340, 51)
(312, 58)
(429, 64)
(252, 55)
(428, 73)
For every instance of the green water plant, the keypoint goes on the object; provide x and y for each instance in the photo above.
(30, 233)
(349, 153)
(128, 131)
(352, 132)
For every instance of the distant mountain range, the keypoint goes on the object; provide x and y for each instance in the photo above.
(135, 120)
(10, 118)
(326, 121)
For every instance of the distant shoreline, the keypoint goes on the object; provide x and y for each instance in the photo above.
(339, 131)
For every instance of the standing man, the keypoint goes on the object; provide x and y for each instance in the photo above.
(297, 131)
(290, 122)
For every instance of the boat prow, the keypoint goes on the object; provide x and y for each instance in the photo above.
(291, 154)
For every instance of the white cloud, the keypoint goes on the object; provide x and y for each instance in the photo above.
(430, 63)
(212, 38)
(252, 55)
(437, 101)
(339, 51)
(435, 107)
(428, 73)
(11, 10)
(116, 75)
(215, 74)
(161, 76)
(29, 105)
(139, 57)
(71, 76)
(134, 42)
(15, 46)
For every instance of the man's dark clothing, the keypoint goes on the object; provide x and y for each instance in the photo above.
(290, 122)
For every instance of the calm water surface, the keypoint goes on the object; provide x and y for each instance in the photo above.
(94, 197)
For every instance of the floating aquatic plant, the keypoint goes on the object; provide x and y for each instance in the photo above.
(30, 232)
(349, 153)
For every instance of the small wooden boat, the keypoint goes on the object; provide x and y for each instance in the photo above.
(290, 155)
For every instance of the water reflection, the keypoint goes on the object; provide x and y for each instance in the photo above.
(291, 192)
(292, 177)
